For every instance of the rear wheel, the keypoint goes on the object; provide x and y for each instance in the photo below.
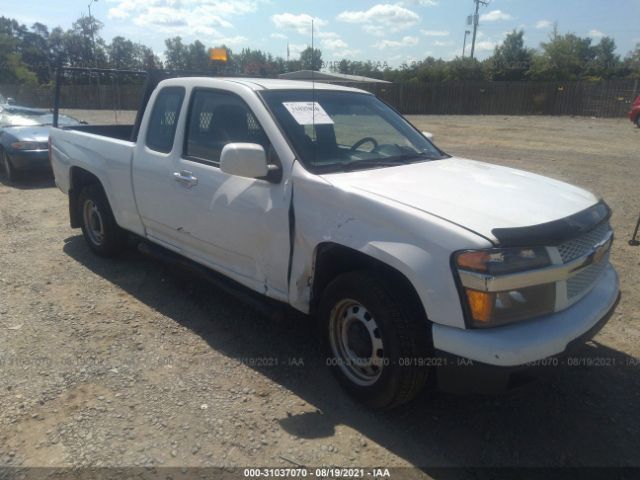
(638, 121)
(8, 168)
(99, 227)
(376, 342)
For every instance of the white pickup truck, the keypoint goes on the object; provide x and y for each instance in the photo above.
(326, 199)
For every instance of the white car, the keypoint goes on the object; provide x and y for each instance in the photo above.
(324, 198)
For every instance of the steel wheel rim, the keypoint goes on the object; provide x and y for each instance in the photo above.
(93, 222)
(356, 343)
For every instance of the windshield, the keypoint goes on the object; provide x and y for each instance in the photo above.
(342, 131)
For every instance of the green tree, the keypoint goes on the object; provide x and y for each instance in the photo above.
(176, 54)
(605, 63)
(32, 53)
(431, 70)
(148, 59)
(563, 57)
(12, 67)
(198, 57)
(631, 65)
(258, 63)
(464, 69)
(311, 59)
(35, 52)
(511, 60)
(84, 44)
(343, 66)
(122, 54)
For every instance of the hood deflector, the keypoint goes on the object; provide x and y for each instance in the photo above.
(556, 231)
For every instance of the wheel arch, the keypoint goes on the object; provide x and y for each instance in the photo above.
(332, 259)
(79, 178)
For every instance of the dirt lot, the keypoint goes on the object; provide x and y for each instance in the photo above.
(129, 362)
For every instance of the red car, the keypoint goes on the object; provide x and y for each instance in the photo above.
(634, 114)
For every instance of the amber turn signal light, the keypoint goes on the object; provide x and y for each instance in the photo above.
(481, 304)
(476, 261)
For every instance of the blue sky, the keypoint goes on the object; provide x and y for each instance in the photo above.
(392, 32)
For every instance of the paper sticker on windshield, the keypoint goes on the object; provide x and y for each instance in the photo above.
(308, 113)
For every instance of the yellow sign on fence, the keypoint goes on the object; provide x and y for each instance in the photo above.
(218, 54)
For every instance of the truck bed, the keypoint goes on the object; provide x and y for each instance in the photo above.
(104, 151)
(121, 132)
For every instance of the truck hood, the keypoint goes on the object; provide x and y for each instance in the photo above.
(475, 195)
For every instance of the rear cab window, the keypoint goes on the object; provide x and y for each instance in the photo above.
(161, 131)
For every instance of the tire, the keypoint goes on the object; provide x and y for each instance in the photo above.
(99, 227)
(8, 169)
(374, 339)
(638, 121)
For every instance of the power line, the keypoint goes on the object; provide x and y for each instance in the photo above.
(475, 23)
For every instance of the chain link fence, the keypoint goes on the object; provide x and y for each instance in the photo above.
(596, 99)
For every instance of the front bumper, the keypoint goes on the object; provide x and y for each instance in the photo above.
(522, 343)
(30, 159)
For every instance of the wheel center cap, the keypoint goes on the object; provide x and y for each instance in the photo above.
(359, 341)
(95, 222)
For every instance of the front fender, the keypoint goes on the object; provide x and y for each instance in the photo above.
(417, 245)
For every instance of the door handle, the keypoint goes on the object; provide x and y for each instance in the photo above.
(186, 178)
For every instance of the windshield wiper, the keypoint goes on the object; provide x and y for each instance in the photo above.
(371, 162)
(378, 162)
(389, 161)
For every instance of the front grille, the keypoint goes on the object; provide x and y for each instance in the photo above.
(585, 279)
(583, 244)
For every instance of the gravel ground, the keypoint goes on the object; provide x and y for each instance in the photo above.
(129, 362)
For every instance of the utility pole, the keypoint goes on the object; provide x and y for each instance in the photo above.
(475, 23)
(464, 43)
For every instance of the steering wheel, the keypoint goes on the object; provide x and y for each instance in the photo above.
(364, 140)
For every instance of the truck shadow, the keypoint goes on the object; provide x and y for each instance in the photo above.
(583, 415)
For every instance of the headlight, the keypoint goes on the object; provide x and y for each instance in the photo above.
(29, 145)
(494, 284)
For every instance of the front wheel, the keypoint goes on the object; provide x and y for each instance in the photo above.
(638, 121)
(99, 227)
(377, 344)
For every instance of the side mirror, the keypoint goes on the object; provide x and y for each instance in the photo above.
(428, 136)
(11, 101)
(244, 160)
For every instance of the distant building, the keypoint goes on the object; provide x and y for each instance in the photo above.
(325, 77)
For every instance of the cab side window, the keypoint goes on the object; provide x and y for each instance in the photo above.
(164, 118)
(216, 119)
